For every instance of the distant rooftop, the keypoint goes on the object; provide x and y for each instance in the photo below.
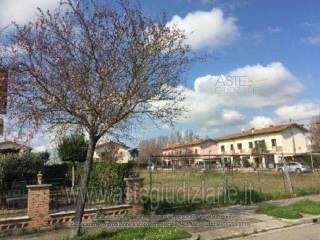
(188, 144)
(111, 144)
(261, 131)
(10, 146)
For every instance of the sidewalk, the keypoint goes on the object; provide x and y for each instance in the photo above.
(303, 231)
(256, 223)
(216, 223)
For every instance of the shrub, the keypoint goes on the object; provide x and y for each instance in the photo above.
(108, 177)
(15, 168)
(57, 174)
(18, 170)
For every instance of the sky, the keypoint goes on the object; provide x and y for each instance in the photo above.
(263, 64)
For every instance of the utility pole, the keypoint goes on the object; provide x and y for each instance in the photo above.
(293, 140)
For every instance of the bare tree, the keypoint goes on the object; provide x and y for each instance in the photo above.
(315, 133)
(105, 69)
(153, 146)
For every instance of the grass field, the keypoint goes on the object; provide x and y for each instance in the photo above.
(167, 185)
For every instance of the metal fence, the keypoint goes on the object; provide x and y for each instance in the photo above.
(66, 199)
(14, 200)
(187, 182)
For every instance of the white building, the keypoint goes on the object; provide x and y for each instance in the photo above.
(111, 151)
(265, 147)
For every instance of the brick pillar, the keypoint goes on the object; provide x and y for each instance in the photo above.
(134, 194)
(38, 204)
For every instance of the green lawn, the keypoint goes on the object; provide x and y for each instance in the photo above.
(291, 211)
(189, 189)
(139, 233)
(270, 182)
(265, 181)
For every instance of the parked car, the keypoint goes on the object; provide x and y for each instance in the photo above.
(296, 167)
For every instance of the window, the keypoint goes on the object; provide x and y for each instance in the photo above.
(222, 148)
(196, 151)
(250, 145)
(292, 164)
(231, 147)
(239, 145)
(274, 142)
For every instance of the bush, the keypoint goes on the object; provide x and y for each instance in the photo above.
(15, 168)
(18, 170)
(57, 174)
(108, 177)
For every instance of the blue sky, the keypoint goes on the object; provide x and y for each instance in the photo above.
(273, 44)
(285, 32)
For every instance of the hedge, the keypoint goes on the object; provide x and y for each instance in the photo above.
(108, 178)
(18, 170)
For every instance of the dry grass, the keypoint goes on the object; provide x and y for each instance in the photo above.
(263, 181)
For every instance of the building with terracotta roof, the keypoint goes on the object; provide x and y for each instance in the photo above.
(188, 153)
(264, 147)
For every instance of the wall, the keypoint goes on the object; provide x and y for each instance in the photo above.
(299, 139)
(38, 215)
(245, 143)
(201, 149)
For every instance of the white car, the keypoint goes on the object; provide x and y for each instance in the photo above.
(295, 167)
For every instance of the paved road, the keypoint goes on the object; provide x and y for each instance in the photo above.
(302, 232)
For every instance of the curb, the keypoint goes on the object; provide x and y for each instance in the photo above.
(194, 236)
(303, 220)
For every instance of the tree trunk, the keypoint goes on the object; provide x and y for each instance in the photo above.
(82, 195)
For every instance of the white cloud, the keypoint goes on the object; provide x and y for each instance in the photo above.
(261, 121)
(275, 29)
(218, 117)
(232, 116)
(314, 40)
(273, 84)
(251, 86)
(22, 11)
(212, 97)
(206, 29)
(301, 111)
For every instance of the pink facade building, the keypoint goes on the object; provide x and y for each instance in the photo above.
(188, 153)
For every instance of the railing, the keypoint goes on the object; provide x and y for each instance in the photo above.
(66, 199)
(276, 149)
(13, 202)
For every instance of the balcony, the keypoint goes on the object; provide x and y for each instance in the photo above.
(277, 149)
